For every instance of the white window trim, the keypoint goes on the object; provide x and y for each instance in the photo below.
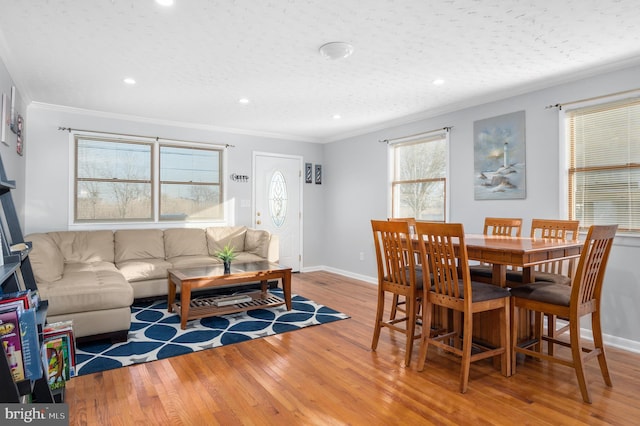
(156, 177)
(446, 131)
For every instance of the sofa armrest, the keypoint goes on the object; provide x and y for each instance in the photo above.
(273, 254)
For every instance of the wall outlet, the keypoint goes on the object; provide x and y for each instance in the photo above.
(361, 255)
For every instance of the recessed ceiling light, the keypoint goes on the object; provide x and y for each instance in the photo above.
(336, 50)
(130, 81)
(337, 116)
(165, 3)
(244, 101)
(438, 82)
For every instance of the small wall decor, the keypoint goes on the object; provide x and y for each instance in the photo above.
(239, 178)
(19, 126)
(3, 119)
(12, 119)
(499, 157)
(318, 174)
(308, 172)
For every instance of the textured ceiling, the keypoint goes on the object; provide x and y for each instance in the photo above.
(195, 60)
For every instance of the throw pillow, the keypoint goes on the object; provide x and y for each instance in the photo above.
(46, 258)
(257, 242)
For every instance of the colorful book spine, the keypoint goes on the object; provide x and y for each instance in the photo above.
(30, 344)
(54, 355)
(11, 343)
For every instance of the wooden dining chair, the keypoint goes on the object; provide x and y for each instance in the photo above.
(556, 271)
(398, 303)
(497, 226)
(398, 275)
(571, 302)
(444, 253)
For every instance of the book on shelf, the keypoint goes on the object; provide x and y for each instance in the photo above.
(11, 342)
(53, 359)
(29, 298)
(30, 344)
(64, 331)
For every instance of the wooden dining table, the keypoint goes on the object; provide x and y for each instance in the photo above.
(503, 252)
(523, 252)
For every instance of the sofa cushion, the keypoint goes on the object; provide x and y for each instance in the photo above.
(193, 261)
(245, 257)
(143, 269)
(139, 244)
(185, 242)
(86, 291)
(85, 246)
(46, 258)
(220, 236)
(257, 242)
(89, 266)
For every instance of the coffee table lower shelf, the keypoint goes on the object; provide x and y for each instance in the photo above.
(203, 307)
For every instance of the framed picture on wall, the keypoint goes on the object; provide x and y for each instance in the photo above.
(499, 157)
(318, 174)
(19, 126)
(308, 172)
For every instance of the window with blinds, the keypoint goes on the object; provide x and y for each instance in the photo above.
(604, 164)
(419, 180)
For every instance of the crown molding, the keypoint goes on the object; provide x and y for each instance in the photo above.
(147, 120)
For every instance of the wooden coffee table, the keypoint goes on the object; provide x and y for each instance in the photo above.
(198, 278)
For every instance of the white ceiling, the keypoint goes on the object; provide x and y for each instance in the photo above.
(195, 60)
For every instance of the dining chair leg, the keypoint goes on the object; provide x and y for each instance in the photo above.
(514, 335)
(427, 310)
(578, 361)
(551, 331)
(457, 328)
(394, 306)
(411, 329)
(599, 346)
(466, 353)
(378, 325)
(505, 340)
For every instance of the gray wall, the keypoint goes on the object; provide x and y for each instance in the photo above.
(357, 190)
(49, 167)
(354, 190)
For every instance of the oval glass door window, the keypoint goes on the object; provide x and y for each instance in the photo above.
(278, 199)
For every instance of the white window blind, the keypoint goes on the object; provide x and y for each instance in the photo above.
(604, 164)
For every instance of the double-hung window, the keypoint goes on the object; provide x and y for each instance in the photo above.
(419, 177)
(604, 164)
(120, 179)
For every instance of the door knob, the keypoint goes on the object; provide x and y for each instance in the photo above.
(258, 222)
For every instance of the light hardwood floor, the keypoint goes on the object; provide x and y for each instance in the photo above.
(328, 375)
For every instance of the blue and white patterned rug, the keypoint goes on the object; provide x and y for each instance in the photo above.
(156, 334)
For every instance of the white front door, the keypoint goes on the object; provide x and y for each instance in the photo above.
(278, 202)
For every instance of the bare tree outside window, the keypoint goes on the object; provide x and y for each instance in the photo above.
(114, 181)
(419, 183)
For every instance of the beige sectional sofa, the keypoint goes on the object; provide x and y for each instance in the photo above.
(92, 277)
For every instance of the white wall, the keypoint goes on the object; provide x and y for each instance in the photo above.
(357, 190)
(14, 164)
(48, 167)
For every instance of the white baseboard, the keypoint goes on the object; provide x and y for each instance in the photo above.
(609, 340)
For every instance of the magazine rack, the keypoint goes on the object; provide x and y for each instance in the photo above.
(15, 272)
